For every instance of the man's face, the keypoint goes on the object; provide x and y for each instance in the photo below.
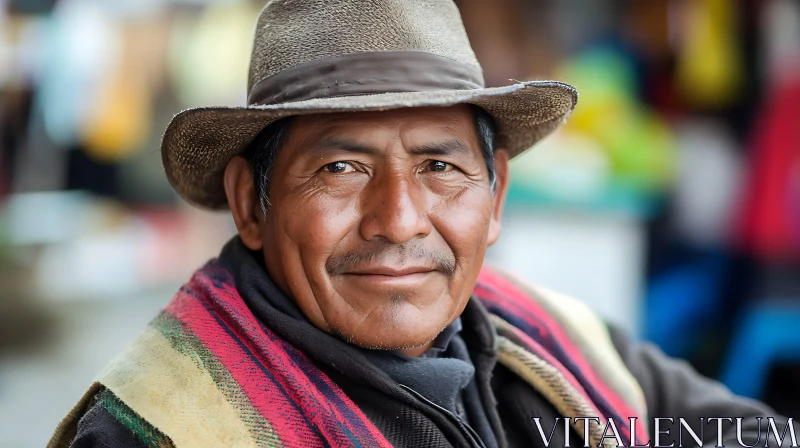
(378, 222)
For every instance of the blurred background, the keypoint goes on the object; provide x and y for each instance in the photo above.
(669, 203)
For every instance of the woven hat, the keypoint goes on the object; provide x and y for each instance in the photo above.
(322, 56)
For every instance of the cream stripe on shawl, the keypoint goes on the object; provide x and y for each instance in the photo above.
(152, 378)
(590, 335)
(550, 382)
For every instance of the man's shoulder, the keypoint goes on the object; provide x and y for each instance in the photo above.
(560, 329)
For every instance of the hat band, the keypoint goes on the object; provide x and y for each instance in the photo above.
(366, 74)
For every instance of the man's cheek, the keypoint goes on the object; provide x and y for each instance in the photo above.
(320, 223)
(464, 229)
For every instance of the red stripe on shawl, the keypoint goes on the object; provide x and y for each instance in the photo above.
(270, 402)
(210, 285)
(511, 295)
(308, 395)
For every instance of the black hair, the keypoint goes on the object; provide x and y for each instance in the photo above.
(487, 130)
(262, 151)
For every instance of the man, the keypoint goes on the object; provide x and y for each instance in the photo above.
(366, 179)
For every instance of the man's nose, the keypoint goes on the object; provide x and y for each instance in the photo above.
(394, 207)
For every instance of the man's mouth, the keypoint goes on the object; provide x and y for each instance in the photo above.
(392, 272)
(407, 276)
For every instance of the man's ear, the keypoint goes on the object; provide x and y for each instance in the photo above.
(499, 197)
(243, 202)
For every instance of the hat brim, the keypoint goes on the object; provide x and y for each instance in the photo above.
(199, 143)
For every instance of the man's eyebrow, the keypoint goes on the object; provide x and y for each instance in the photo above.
(343, 144)
(446, 147)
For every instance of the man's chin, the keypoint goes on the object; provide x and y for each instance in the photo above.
(398, 325)
(399, 344)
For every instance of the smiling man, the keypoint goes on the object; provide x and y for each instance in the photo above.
(366, 178)
(376, 224)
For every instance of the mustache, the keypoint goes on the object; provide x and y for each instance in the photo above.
(416, 254)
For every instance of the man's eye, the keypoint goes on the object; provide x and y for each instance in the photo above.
(438, 166)
(339, 168)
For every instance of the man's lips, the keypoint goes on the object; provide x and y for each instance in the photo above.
(392, 272)
(410, 277)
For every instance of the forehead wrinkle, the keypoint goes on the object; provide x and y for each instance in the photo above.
(451, 146)
(339, 143)
(344, 132)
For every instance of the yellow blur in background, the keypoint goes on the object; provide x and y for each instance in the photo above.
(669, 202)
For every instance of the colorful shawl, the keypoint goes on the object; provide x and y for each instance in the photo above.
(206, 372)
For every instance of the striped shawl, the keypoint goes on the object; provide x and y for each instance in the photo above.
(206, 373)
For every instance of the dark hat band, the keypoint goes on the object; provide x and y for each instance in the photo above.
(366, 74)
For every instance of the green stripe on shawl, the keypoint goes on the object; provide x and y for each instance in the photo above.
(168, 390)
(143, 430)
(186, 343)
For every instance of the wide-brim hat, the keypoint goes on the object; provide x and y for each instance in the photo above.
(326, 56)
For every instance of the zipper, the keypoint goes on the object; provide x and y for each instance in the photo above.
(470, 433)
